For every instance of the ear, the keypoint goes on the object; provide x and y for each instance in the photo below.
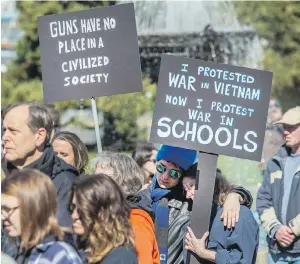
(41, 136)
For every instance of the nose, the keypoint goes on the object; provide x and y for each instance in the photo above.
(4, 137)
(75, 215)
(166, 175)
(286, 131)
(189, 195)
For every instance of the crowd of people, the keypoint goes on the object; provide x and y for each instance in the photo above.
(134, 209)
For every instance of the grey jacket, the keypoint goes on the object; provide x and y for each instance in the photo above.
(269, 201)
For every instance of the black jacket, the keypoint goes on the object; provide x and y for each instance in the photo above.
(63, 176)
(120, 255)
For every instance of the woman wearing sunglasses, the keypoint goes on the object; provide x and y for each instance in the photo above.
(167, 199)
(28, 212)
(100, 216)
(236, 245)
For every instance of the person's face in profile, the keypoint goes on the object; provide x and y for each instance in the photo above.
(189, 186)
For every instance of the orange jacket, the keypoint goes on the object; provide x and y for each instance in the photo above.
(145, 241)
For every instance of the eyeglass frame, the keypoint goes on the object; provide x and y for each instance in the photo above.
(165, 169)
(9, 212)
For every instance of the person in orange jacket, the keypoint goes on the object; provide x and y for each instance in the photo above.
(125, 171)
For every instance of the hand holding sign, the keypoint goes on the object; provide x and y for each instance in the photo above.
(213, 108)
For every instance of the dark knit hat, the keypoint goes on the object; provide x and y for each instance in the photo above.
(182, 157)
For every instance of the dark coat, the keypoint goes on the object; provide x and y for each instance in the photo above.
(120, 255)
(63, 176)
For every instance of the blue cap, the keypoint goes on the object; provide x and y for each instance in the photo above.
(182, 157)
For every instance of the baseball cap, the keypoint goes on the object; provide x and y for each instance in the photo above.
(291, 117)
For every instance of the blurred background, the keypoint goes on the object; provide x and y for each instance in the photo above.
(262, 35)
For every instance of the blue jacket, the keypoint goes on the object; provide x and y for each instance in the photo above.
(235, 245)
(269, 200)
(50, 251)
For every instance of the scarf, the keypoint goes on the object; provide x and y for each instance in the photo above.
(161, 211)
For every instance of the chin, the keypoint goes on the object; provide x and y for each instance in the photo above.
(8, 157)
(13, 233)
(78, 231)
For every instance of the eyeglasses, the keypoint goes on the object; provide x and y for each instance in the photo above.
(174, 174)
(8, 211)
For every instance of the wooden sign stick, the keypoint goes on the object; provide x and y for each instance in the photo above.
(96, 123)
(205, 183)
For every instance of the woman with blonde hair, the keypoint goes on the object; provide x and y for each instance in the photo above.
(71, 149)
(28, 212)
(100, 216)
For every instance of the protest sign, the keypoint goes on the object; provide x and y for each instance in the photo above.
(89, 53)
(211, 107)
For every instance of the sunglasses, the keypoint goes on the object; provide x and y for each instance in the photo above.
(174, 174)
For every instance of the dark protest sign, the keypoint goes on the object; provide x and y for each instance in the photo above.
(90, 53)
(211, 107)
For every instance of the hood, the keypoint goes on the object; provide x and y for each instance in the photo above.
(141, 201)
(52, 165)
(283, 152)
(141, 215)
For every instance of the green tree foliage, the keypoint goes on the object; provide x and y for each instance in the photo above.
(279, 24)
(22, 81)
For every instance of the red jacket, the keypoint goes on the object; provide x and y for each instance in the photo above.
(145, 241)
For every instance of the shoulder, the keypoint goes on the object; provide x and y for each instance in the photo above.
(61, 167)
(143, 227)
(120, 255)
(246, 216)
(61, 253)
(64, 174)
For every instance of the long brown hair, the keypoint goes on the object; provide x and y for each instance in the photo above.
(104, 214)
(81, 157)
(37, 197)
(222, 185)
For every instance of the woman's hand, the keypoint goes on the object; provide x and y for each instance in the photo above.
(231, 210)
(194, 244)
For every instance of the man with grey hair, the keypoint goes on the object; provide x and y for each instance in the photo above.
(26, 133)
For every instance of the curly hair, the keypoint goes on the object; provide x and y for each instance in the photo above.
(143, 152)
(104, 214)
(222, 185)
(124, 170)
